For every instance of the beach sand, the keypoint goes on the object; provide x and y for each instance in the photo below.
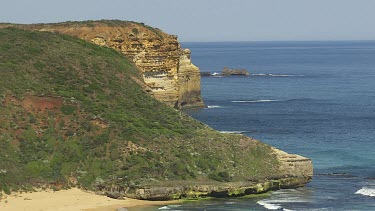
(72, 199)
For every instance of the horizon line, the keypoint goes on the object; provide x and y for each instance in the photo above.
(318, 40)
(192, 41)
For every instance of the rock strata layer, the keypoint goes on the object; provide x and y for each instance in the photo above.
(167, 69)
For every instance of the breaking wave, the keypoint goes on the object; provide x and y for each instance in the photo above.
(214, 106)
(170, 207)
(276, 75)
(276, 204)
(254, 101)
(233, 132)
(266, 204)
(366, 191)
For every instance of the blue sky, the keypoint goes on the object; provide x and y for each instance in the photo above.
(214, 20)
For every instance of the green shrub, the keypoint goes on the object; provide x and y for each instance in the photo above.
(68, 110)
(135, 31)
(222, 176)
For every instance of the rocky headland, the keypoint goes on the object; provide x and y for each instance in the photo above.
(76, 113)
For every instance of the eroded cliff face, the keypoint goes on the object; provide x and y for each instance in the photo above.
(166, 68)
(292, 165)
(189, 81)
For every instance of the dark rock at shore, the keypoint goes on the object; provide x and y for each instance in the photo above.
(205, 74)
(115, 195)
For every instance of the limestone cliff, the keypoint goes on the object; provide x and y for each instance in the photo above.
(292, 165)
(166, 68)
(189, 80)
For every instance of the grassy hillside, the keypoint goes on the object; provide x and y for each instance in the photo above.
(73, 113)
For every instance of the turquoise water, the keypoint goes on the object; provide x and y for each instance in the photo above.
(316, 99)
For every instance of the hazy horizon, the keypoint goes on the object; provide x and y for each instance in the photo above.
(215, 20)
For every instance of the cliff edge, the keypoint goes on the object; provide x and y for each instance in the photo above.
(166, 67)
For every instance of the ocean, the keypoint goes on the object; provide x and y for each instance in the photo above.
(316, 99)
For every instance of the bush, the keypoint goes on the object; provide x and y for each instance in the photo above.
(68, 110)
(222, 176)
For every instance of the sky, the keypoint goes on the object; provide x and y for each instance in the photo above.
(214, 20)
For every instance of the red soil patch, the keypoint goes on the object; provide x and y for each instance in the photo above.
(41, 104)
(10, 100)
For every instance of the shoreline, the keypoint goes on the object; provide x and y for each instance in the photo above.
(77, 199)
(71, 199)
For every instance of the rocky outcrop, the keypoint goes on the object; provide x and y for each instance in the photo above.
(115, 195)
(167, 70)
(292, 165)
(207, 190)
(226, 71)
(294, 171)
(223, 190)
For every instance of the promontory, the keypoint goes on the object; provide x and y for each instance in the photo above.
(93, 105)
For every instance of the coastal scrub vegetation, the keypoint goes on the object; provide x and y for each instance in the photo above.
(74, 113)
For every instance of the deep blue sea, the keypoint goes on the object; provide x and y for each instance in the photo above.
(316, 99)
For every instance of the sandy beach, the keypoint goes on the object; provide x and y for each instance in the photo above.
(72, 199)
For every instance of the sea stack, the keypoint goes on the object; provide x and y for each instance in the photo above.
(227, 71)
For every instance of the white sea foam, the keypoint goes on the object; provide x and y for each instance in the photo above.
(276, 75)
(214, 106)
(366, 191)
(259, 74)
(275, 204)
(170, 207)
(287, 200)
(285, 75)
(266, 204)
(233, 132)
(253, 101)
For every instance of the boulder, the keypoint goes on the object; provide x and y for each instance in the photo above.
(115, 195)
